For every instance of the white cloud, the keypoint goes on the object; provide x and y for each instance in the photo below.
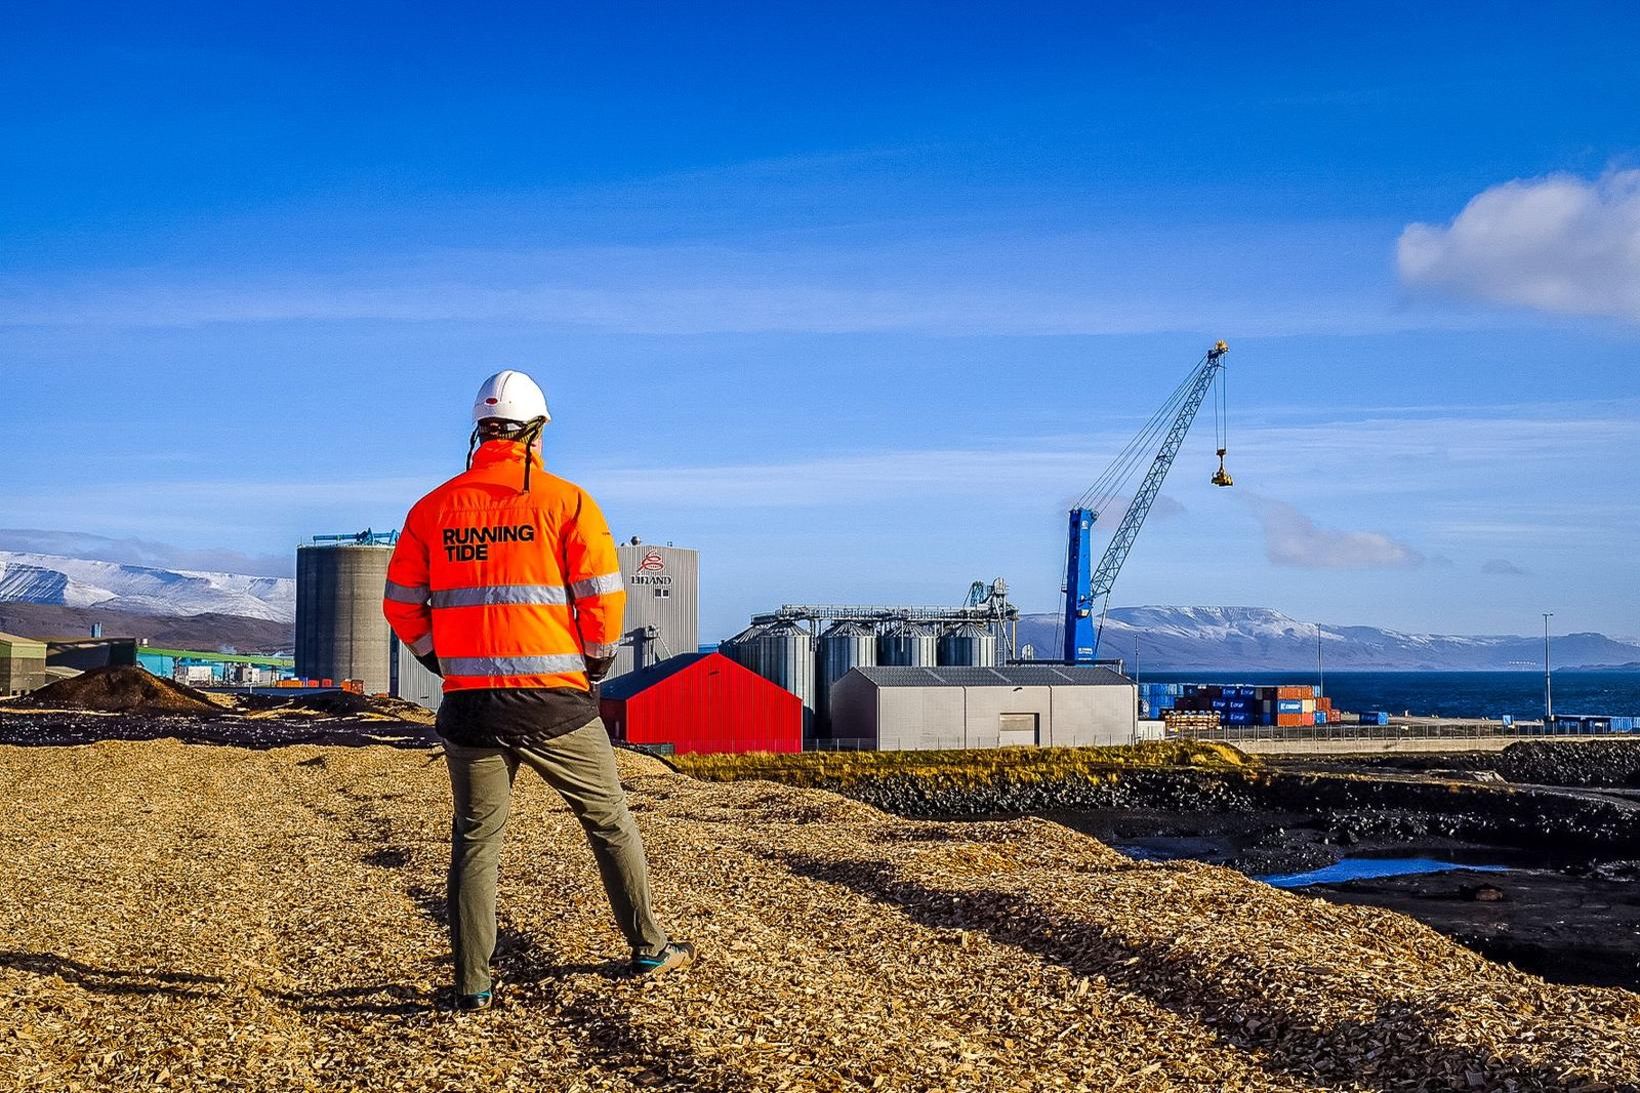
(1293, 539)
(1560, 244)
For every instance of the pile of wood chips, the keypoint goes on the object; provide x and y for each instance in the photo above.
(194, 917)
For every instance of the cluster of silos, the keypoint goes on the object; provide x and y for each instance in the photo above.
(340, 631)
(781, 652)
(788, 654)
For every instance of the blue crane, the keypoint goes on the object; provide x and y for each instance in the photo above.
(1085, 586)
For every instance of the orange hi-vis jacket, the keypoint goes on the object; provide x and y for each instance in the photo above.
(508, 588)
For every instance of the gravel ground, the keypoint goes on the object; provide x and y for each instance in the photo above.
(197, 917)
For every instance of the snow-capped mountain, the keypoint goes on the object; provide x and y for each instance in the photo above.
(1255, 637)
(144, 590)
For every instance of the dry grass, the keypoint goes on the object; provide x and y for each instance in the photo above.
(180, 917)
(978, 766)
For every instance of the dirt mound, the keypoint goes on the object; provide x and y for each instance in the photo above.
(338, 704)
(120, 690)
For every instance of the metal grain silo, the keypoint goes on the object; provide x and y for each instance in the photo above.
(969, 645)
(844, 647)
(340, 631)
(784, 653)
(741, 647)
(907, 644)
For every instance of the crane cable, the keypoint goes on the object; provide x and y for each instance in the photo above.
(1137, 450)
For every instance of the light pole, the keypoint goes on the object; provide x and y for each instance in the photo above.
(1548, 693)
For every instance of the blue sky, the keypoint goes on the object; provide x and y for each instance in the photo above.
(854, 300)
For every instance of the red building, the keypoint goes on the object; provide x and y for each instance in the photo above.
(702, 702)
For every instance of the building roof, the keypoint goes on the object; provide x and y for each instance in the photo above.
(1011, 675)
(28, 647)
(625, 686)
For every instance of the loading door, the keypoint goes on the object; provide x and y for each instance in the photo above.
(1017, 730)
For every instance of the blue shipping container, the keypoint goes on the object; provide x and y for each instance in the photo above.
(1321, 717)
(1289, 705)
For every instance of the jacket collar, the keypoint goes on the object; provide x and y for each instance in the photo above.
(494, 453)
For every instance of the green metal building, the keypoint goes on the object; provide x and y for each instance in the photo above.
(22, 665)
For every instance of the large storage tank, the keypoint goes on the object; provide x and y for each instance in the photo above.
(340, 631)
(784, 653)
(742, 648)
(907, 644)
(969, 645)
(844, 647)
(662, 604)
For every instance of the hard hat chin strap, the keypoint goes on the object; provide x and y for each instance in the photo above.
(526, 433)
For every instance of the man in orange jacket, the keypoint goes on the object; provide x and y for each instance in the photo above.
(505, 582)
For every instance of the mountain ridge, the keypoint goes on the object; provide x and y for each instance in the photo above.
(1258, 638)
(52, 579)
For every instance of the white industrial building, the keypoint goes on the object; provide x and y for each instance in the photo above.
(1046, 705)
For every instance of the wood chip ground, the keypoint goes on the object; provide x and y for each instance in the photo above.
(191, 917)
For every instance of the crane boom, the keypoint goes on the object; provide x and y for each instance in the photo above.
(1083, 588)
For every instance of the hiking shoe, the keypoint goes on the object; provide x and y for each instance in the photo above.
(676, 955)
(471, 1003)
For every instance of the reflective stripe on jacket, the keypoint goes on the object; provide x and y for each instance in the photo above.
(508, 588)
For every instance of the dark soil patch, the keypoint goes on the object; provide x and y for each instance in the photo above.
(120, 690)
(1594, 764)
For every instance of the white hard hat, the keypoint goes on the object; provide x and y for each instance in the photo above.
(510, 395)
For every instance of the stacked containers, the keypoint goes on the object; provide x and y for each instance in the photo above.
(1156, 698)
(908, 644)
(844, 647)
(969, 645)
(1241, 704)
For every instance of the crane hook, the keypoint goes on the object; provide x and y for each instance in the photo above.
(1221, 477)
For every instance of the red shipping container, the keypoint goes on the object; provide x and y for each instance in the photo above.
(1295, 719)
(1295, 692)
(702, 702)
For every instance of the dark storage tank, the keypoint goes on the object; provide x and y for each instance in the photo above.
(340, 631)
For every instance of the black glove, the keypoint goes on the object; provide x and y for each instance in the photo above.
(598, 668)
(430, 662)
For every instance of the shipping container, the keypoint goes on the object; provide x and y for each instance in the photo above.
(1289, 705)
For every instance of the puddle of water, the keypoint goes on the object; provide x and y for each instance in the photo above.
(1373, 868)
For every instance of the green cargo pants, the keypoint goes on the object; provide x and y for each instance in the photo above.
(581, 766)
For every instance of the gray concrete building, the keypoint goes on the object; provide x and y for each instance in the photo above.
(662, 604)
(1044, 705)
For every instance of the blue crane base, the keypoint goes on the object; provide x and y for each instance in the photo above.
(1081, 633)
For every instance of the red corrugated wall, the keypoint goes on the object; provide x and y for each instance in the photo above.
(713, 705)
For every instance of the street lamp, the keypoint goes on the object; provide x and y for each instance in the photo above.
(1548, 694)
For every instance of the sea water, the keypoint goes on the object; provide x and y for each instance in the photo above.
(1373, 868)
(1450, 694)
